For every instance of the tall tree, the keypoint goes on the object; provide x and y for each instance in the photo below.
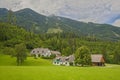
(20, 53)
(82, 56)
(10, 16)
(14, 20)
(117, 55)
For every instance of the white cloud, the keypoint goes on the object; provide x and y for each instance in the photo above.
(100, 11)
(117, 23)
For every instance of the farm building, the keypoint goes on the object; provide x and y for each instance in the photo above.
(57, 53)
(45, 52)
(97, 60)
(37, 52)
(64, 60)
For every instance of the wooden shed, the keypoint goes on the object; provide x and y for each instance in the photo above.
(97, 60)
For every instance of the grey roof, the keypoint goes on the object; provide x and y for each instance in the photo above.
(39, 50)
(56, 52)
(70, 58)
(61, 58)
(96, 57)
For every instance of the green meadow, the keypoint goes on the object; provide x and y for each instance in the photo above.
(40, 69)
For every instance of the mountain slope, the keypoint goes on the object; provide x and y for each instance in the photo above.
(30, 19)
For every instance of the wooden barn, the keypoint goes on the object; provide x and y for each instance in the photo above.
(97, 60)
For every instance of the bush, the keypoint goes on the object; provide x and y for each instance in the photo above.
(8, 51)
(71, 63)
(51, 57)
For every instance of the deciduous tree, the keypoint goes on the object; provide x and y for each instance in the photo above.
(82, 56)
(20, 53)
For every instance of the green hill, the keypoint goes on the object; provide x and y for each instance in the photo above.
(7, 60)
(30, 19)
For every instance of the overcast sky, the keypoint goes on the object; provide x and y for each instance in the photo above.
(99, 11)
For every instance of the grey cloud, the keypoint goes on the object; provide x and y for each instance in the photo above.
(101, 11)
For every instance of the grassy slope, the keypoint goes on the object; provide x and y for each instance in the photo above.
(49, 72)
(54, 30)
(6, 60)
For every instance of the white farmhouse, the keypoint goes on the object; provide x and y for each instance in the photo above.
(37, 52)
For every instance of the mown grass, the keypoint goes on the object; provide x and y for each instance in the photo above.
(46, 71)
(6, 60)
(58, 73)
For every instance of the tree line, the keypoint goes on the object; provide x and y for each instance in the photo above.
(66, 43)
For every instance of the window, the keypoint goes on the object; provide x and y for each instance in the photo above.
(42, 51)
(57, 62)
(37, 51)
(33, 51)
(65, 62)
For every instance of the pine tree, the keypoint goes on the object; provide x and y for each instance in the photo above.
(10, 16)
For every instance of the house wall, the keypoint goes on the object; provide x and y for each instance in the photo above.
(56, 63)
(39, 53)
(46, 54)
(36, 55)
(61, 63)
(65, 63)
(98, 64)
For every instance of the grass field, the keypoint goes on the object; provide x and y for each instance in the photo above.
(46, 71)
(6, 60)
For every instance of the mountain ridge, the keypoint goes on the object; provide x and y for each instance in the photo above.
(29, 19)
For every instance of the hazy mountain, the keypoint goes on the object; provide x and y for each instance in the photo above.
(30, 19)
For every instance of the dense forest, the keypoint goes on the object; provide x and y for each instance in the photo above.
(66, 43)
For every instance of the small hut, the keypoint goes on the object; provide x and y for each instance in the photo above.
(97, 60)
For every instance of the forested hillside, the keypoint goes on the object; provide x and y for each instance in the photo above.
(66, 43)
(31, 20)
